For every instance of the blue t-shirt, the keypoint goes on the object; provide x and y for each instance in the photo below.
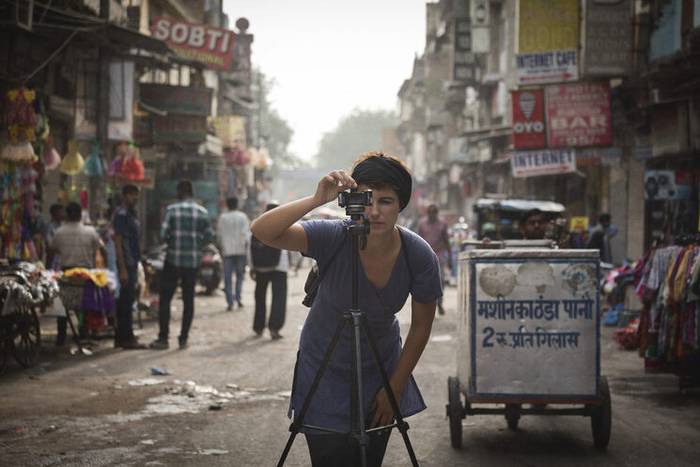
(330, 405)
(127, 225)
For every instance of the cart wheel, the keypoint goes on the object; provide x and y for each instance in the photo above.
(27, 337)
(512, 416)
(601, 417)
(454, 411)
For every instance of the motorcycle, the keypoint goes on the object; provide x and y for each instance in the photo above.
(209, 275)
(210, 269)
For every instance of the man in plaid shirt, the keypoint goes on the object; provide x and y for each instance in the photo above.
(186, 230)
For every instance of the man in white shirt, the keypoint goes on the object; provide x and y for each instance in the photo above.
(233, 233)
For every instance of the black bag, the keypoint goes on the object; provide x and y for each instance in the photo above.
(263, 256)
(313, 280)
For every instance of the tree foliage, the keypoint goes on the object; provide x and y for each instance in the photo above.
(275, 131)
(356, 133)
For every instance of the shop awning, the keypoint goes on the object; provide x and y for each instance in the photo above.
(131, 38)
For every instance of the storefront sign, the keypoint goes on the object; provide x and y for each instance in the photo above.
(182, 100)
(578, 115)
(607, 38)
(528, 119)
(179, 129)
(231, 130)
(206, 44)
(579, 223)
(548, 41)
(544, 162)
(667, 185)
(533, 325)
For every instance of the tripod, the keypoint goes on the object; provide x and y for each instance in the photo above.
(358, 229)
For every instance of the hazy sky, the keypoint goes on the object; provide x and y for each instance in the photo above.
(328, 57)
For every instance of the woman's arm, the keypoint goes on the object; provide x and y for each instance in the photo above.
(422, 315)
(277, 227)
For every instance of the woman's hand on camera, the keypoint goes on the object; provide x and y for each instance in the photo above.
(332, 184)
(383, 413)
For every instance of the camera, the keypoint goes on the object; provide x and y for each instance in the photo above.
(355, 201)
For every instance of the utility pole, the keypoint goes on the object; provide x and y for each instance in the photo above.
(102, 114)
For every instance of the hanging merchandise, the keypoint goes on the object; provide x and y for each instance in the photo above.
(20, 116)
(132, 168)
(51, 157)
(18, 152)
(120, 155)
(93, 165)
(669, 328)
(72, 164)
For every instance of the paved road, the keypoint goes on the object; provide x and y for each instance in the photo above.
(225, 401)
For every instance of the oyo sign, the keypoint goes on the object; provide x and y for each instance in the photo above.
(528, 119)
(211, 46)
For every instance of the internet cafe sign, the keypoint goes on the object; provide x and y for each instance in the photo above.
(211, 46)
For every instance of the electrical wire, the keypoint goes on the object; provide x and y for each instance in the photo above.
(51, 57)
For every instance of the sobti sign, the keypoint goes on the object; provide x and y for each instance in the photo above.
(211, 46)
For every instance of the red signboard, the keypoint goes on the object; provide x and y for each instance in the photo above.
(528, 119)
(578, 115)
(211, 46)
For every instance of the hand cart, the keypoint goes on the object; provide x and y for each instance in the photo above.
(529, 336)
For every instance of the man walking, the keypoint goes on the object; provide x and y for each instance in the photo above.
(600, 237)
(269, 266)
(233, 232)
(186, 230)
(126, 241)
(434, 231)
(77, 245)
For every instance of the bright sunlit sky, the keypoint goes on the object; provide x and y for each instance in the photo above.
(329, 57)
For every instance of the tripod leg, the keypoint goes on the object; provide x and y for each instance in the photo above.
(298, 421)
(400, 423)
(360, 430)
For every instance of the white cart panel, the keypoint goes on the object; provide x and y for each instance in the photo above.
(529, 324)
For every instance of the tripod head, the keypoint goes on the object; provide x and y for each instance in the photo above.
(354, 203)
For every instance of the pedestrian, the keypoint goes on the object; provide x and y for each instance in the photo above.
(233, 232)
(269, 265)
(77, 246)
(434, 231)
(395, 263)
(533, 225)
(58, 215)
(127, 230)
(600, 237)
(186, 229)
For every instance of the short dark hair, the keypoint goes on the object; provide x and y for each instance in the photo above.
(528, 214)
(129, 188)
(55, 208)
(605, 217)
(271, 205)
(74, 212)
(232, 202)
(184, 187)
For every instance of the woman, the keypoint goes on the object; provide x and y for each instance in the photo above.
(394, 263)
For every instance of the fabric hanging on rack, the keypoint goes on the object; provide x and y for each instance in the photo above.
(670, 317)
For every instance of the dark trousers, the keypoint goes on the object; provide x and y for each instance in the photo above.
(344, 451)
(125, 308)
(171, 275)
(279, 300)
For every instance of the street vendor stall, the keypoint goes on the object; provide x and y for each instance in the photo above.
(529, 337)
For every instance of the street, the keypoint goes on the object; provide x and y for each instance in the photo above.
(224, 402)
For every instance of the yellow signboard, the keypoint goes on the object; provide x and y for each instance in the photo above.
(546, 25)
(578, 224)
